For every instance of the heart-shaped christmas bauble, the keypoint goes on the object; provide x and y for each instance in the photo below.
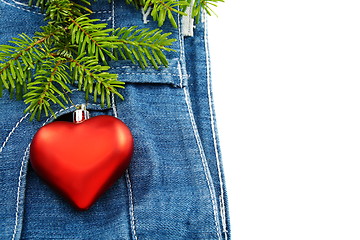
(82, 160)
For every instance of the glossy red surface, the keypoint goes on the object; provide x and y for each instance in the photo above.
(81, 161)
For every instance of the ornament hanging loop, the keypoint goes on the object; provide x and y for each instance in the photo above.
(81, 114)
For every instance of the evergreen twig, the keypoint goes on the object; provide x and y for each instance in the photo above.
(73, 49)
(161, 10)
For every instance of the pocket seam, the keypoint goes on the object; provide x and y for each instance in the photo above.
(206, 171)
(20, 7)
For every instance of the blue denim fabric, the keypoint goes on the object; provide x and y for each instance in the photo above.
(174, 187)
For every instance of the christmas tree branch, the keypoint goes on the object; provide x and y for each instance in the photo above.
(75, 49)
(143, 45)
(92, 38)
(17, 59)
(161, 10)
(93, 78)
(45, 88)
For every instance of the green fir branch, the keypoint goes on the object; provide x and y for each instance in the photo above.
(206, 5)
(93, 78)
(143, 46)
(92, 38)
(50, 83)
(18, 59)
(161, 10)
(164, 9)
(74, 49)
(36, 68)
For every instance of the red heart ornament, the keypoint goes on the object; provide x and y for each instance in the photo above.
(82, 160)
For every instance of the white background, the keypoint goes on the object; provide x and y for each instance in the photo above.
(286, 79)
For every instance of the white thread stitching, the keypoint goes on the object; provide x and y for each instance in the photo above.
(131, 204)
(18, 190)
(128, 184)
(113, 14)
(212, 120)
(127, 174)
(105, 20)
(25, 5)
(138, 68)
(17, 125)
(20, 3)
(21, 8)
(182, 53)
(180, 74)
(12, 131)
(113, 26)
(158, 74)
(103, 11)
(204, 163)
(21, 176)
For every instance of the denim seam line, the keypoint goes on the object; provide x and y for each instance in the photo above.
(24, 7)
(112, 14)
(26, 115)
(183, 75)
(12, 131)
(212, 120)
(131, 205)
(158, 74)
(20, 8)
(136, 67)
(181, 63)
(19, 200)
(128, 184)
(207, 174)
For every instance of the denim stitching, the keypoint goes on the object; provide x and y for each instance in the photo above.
(20, 3)
(127, 174)
(182, 53)
(180, 74)
(12, 131)
(212, 120)
(105, 20)
(196, 133)
(131, 204)
(17, 125)
(158, 74)
(103, 11)
(137, 67)
(112, 14)
(21, 8)
(204, 163)
(25, 156)
(128, 184)
(26, 153)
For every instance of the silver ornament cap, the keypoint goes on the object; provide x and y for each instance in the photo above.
(81, 114)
